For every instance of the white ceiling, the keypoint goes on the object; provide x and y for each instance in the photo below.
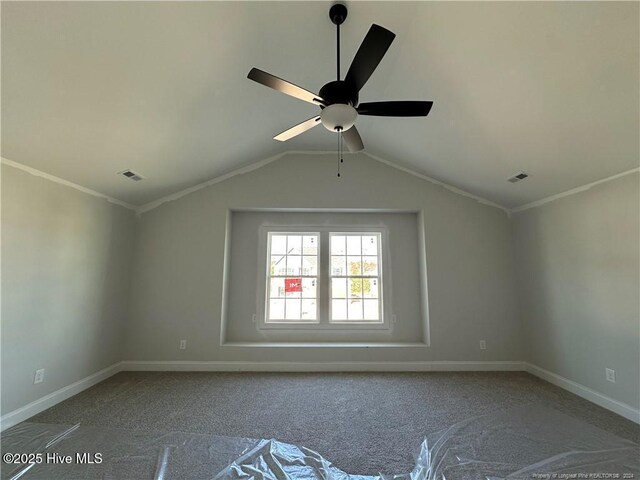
(92, 88)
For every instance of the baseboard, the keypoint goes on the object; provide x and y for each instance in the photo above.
(23, 413)
(627, 411)
(441, 366)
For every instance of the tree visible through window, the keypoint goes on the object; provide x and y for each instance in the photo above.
(355, 277)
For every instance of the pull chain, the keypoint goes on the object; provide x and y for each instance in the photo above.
(340, 160)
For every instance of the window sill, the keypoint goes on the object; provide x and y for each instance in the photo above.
(293, 326)
(326, 344)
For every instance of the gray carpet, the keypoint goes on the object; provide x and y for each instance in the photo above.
(362, 422)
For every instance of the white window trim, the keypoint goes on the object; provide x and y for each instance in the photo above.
(324, 279)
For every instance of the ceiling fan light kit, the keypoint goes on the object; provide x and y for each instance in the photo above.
(338, 117)
(339, 100)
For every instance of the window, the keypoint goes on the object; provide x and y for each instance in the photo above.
(292, 277)
(324, 278)
(355, 277)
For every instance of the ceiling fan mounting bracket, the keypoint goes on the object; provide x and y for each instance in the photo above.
(338, 13)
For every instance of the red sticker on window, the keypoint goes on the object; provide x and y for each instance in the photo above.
(292, 285)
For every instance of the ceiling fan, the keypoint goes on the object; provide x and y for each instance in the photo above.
(338, 100)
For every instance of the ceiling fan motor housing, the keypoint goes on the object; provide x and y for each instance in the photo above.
(339, 92)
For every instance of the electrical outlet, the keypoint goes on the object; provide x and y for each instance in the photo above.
(39, 376)
(254, 318)
(183, 344)
(610, 375)
(483, 345)
(394, 318)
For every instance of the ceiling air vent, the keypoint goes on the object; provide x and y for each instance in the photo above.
(131, 175)
(517, 177)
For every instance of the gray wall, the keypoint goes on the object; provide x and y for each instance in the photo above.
(400, 269)
(67, 280)
(178, 269)
(65, 284)
(578, 277)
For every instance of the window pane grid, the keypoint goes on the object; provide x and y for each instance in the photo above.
(292, 277)
(354, 280)
(355, 277)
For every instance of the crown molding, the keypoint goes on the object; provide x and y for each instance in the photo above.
(261, 163)
(140, 209)
(66, 183)
(174, 196)
(451, 188)
(573, 191)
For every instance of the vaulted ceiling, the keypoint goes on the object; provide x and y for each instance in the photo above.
(92, 88)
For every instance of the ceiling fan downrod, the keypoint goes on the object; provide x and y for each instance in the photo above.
(338, 14)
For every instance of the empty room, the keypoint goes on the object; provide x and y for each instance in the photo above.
(352, 240)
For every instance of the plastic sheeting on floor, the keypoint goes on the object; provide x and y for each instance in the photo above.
(527, 442)
(510, 444)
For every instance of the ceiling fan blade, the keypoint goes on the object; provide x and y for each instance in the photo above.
(352, 138)
(395, 109)
(298, 129)
(373, 47)
(283, 86)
